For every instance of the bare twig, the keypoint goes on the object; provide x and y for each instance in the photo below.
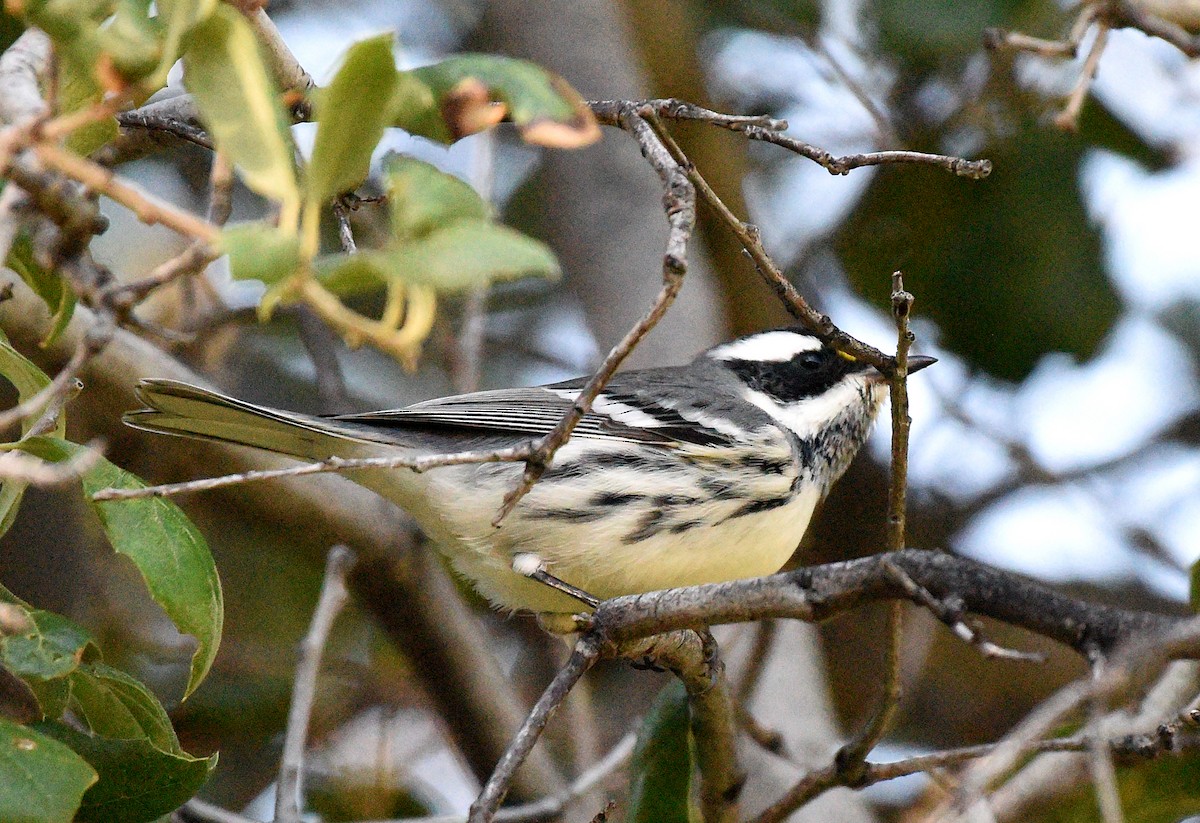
(1104, 774)
(583, 657)
(819, 324)
(1136, 660)
(770, 130)
(1068, 118)
(902, 302)
(609, 113)
(959, 166)
(950, 612)
(65, 381)
(288, 72)
(330, 602)
(553, 806)
(24, 468)
(177, 116)
(679, 202)
(148, 208)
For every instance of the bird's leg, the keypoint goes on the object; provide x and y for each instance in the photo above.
(530, 565)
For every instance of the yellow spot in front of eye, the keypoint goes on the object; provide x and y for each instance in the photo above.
(849, 357)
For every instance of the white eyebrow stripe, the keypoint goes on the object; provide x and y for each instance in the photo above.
(770, 347)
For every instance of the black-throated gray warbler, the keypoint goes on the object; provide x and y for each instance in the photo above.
(677, 476)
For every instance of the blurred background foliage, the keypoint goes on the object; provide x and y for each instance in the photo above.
(1058, 436)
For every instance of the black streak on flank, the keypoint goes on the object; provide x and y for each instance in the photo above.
(606, 499)
(569, 515)
(756, 506)
(652, 524)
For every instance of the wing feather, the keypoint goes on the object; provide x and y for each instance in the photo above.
(534, 411)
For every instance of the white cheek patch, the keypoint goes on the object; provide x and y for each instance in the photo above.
(769, 347)
(809, 416)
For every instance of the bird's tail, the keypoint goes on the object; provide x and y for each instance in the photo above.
(188, 411)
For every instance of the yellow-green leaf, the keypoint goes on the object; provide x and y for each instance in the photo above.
(423, 198)
(240, 104)
(462, 256)
(258, 251)
(179, 18)
(351, 116)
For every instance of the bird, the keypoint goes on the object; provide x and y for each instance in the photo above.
(677, 476)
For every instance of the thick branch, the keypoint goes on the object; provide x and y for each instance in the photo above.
(819, 592)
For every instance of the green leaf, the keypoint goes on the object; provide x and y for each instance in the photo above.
(113, 704)
(466, 88)
(50, 286)
(240, 104)
(28, 380)
(661, 767)
(51, 647)
(138, 782)
(423, 198)
(352, 275)
(179, 17)
(351, 116)
(413, 107)
(471, 253)
(464, 255)
(131, 40)
(167, 549)
(41, 780)
(258, 251)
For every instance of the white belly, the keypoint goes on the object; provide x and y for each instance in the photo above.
(675, 534)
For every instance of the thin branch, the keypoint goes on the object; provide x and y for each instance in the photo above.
(583, 657)
(770, 130)
(1104, 773)
(330, 602)
(332, 464)
(288, 72)
(679, 202)
(817, 323)
(902, 302)
(65, 381)
(24, 468)
(609, 113)
(959, 166)
(148, 208)
(816, 593)
(851, 758)
(177, 116)
(950, 612)
(1136, 660)
(1068, 118)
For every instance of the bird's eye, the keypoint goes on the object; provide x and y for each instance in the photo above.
(811, 361)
